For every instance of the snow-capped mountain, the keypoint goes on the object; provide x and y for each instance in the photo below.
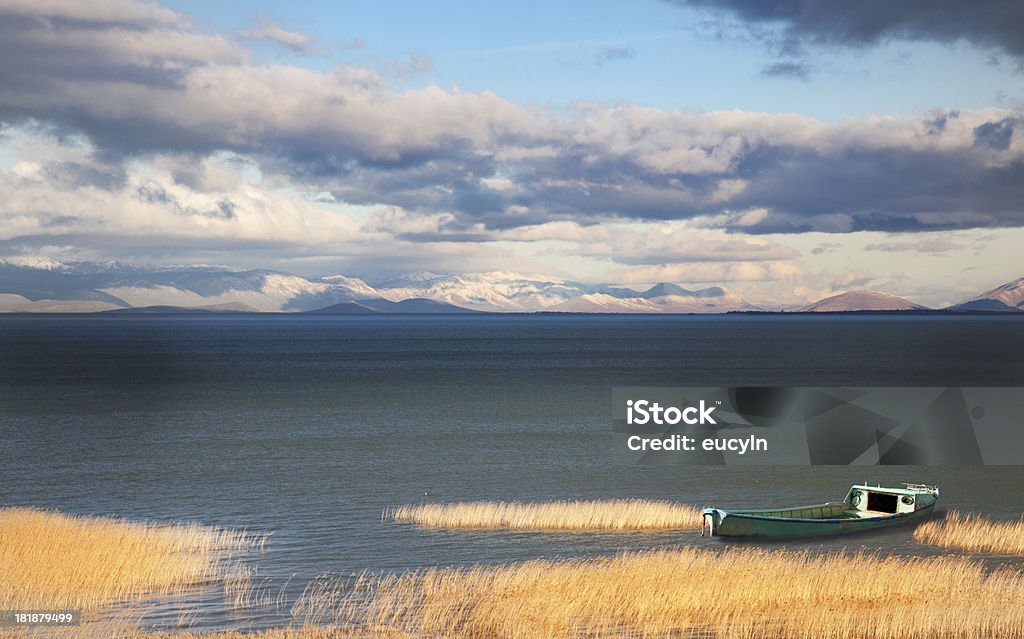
(48, 285)
(40, 284)
(1008, 297)
(862, 301)
(491, 291)
(672, 299)
(516, 292)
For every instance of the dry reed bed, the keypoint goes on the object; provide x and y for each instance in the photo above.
(302, 632)
(52, 560)
(973, 534)
(616, 514)
(725, 594)
(125, 631)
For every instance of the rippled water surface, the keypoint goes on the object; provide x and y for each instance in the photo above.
(308, 427)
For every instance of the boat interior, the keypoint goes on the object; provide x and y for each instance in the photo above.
(832, 510)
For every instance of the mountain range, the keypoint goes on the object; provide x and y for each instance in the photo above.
(46, 285)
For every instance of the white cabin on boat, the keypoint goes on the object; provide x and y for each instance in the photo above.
(870, 501)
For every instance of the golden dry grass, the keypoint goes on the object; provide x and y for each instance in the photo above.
(56, 561)
(689, 592)
(973, 534)
(616, 514)
(302, 632)
(97, 631)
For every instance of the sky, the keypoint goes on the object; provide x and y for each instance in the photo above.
(786, 151)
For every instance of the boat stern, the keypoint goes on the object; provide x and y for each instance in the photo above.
(712, 521)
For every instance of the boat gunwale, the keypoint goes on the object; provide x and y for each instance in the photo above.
(775, 510)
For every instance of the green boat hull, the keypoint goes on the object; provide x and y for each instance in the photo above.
(731, 524)
(833, 518)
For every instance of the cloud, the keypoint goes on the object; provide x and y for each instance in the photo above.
(995, 135)
(421, 62)
(671, 242)
(416, 63)
(988, 24)
(798, 70)
(565, 231)
(923, 245)
(271, 31)
(114, 13)
(708, 273)
(611, 53)
(140, 84)
(416, 227)
(355, 43)
(853, 279)
(825, 247)
(47, 46)
(81, 200)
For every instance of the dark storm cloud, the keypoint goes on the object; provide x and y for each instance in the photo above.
(147, 85)
(884, 189)
(986, 23)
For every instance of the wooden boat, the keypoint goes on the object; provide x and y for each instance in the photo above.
(865, 507)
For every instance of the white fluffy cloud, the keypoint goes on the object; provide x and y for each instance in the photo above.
(271, 31)
(680, 242)
(75, 195)
(703, 273)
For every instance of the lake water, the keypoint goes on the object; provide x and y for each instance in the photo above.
(308, 427)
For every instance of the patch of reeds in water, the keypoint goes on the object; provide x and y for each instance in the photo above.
(746, 593)
(56, 561)
(616, 514)
(973, 533)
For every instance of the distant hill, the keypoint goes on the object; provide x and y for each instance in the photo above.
(1007, 298)
(381, 306)
(162, 309)
(862, 301)
(344, 308)
(664, 288)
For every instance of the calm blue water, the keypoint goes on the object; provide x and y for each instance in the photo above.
(307, 427)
